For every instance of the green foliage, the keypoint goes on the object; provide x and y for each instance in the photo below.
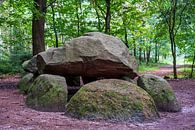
(15, 38)
(13, 64)
(140, 24)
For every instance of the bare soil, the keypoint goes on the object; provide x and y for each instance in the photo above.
(15, 115)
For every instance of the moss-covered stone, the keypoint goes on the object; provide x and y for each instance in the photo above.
(114, 100)
(31, 65)
(161, 92)
(25, 83)
(48, 93)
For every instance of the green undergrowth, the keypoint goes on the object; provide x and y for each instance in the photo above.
(183, 73)
(12, 63)
(144, 67)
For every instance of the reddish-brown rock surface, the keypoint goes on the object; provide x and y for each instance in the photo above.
(92, 55)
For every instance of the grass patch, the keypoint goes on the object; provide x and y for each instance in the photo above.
(183, 73)
(143, 67)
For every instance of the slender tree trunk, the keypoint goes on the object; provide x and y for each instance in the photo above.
(156, 53)
(78, 19)
(63, 40)
(173, 50)
(99, 21)
(61, 17)
(38, 25)
(108, 17)
(134, 50)
(140, 55)
(125, 31)
(165, 56)
(144, 55)
(173, 40)
(171, 22)
(126, 37)
(148, 55)
(192, 69)
(54, 25)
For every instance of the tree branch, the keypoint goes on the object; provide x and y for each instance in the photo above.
(173, 9)
(166, 20)
(180, 18)
(50, 4)
(103, 12)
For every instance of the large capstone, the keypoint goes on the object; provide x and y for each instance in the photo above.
(92, 55)
(113, 100)
(161, 92)
(48, 93)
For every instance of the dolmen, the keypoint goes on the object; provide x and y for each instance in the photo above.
(92, 77)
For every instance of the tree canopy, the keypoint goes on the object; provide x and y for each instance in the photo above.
(151, 29)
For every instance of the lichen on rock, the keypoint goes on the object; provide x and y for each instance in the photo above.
(48, 93)
(113, 100)
(25, 83)
(161, 92)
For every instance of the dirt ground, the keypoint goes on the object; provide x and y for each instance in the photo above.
(14, 115)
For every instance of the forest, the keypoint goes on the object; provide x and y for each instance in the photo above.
(97, 64)
(154, 31)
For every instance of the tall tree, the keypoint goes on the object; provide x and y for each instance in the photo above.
(54, 24)
(172, 12)
(108, 17)
(38, 25)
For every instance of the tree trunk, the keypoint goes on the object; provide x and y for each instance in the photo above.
(134, 50)
(38, 25)
(148, 55)
(171, 24)
(54, 25)
(108, 17)
(140, 55)
(192, 69)
(99, 21)
(144, 55)
(173, 50)
(78, 19)
(63, 39)
(126, 37)
(156, 53)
